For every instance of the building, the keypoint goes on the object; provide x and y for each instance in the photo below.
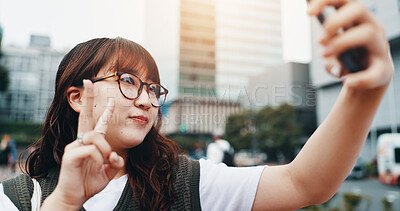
(248, 40)
(185, 55)
(196, 115)
(287, 83)
(32, 73)
(1, 35)
(197, 48)
(388, 116)
(207, 51)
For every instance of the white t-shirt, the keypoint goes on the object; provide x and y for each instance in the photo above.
(221, 188)
(215, 150)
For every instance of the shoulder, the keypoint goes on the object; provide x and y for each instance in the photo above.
(19, 190)
(186, 165)
(223, 143)
(186, 175)
(5, 202)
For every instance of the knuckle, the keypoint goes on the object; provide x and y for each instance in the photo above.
(67, 148)
(370, 31)
(358, 7)
(92, 149)
(380, 27)
(67, 157)
(383, 74)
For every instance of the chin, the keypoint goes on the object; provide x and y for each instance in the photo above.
(133, 139)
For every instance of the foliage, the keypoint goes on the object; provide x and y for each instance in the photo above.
(238, 131)
(327, 206)
(276, 130)
(186, 142)
(352, 201)
(387, 204)
(23, 133)
(349, 202)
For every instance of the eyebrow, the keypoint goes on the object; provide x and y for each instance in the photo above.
(130, 70)
(135, 72)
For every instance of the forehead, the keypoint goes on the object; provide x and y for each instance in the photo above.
(137, 68)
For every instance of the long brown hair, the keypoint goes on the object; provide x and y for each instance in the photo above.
(149, 165)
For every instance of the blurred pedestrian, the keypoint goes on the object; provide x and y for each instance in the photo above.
(12, 144)
(197, 153)
(7, 160)
(220, 150)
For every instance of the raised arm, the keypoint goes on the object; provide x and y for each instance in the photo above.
(328, 156)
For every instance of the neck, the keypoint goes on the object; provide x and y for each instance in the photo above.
(120, 173)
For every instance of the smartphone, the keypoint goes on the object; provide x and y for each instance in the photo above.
(354, 59)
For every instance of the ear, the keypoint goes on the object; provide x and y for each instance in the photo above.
(74, 96)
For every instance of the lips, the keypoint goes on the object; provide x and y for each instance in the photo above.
(139, 119)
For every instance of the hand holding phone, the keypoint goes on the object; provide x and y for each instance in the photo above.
(355, 59)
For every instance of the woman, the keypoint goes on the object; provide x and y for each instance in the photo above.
(100, 135)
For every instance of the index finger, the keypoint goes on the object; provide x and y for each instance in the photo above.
(85, 120)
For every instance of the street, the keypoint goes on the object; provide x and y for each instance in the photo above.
(372, 189)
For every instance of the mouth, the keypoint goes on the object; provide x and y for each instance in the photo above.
(139, 119)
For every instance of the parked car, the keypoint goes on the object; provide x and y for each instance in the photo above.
(359, 170)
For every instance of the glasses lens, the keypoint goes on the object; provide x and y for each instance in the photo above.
(130, 85)
(157, 94)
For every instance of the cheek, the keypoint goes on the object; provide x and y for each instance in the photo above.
(154, 115)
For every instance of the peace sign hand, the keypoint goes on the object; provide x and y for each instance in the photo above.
(88, 163)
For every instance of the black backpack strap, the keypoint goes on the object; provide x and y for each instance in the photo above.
(20, 190)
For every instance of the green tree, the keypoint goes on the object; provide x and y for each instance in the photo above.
(277, 130)
(237, 130)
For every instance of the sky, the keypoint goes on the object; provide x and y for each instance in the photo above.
(69, 22)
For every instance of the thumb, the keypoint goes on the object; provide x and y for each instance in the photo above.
(116, 162)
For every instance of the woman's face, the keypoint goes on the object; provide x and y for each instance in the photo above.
(131, 120)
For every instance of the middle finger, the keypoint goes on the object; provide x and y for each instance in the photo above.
(349, 15)
(315, 7)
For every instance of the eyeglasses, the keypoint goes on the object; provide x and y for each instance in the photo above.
(131, 87)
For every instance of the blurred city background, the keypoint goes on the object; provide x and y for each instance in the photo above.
(251, 69)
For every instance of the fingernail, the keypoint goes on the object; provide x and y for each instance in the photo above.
(335, 71)
(101, 170)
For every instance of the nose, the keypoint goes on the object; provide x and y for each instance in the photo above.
(143, 101)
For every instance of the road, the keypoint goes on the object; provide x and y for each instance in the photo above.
(372, 188)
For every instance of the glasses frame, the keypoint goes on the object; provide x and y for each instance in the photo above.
(119, 74)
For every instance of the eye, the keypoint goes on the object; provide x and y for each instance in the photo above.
(128, 79)
(155, 88)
